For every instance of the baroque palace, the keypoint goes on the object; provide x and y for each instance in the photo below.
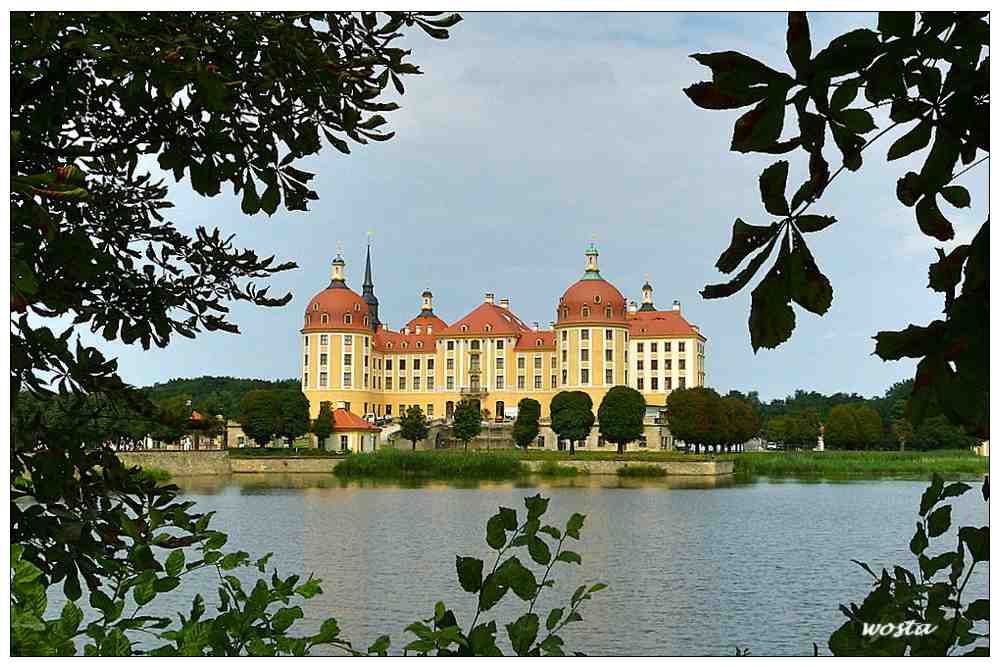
(598, 340)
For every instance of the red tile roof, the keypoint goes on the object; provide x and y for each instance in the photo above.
(499, 320)
(536, 340)
(595, 295)
(348, 421)
(423, 321)
(336, 303)
(387, 340)
(656, 323)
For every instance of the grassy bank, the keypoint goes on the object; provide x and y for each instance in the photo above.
(394, 463)
(832, 464)
(156, 474)
(283, 453)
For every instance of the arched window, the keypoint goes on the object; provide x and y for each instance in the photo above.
(585, 311)
(347, 319)
(389, 345)
(403, 345)
(324, 318)
(538, 342)
(608, 312)
(488, 328)
(565, 311)
(420, 343)
(366, 320)
(465, 328)
(315, 306)
(357, 308)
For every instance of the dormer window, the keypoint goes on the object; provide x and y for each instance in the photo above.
(366, 321)
(418, 329)
(538, 342)
(585, 311)
(348, 319)
(565, 311)
(389, 345)
(488, 328)
(357, 308)
(429, 328)
(307, 319)
(608, 312)
(324, 318)
(465, 328)
(420, 343)
(315, 306)
(597, 298)
(403, 345)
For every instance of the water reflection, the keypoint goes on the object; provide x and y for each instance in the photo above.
(695, 565)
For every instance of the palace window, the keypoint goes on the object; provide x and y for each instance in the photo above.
(402, 364)
(666, 346)
(430, 409)
(565, 312)
(640, 384)
(500, 344)
(654, 383)
(638, 364)
(449, 364)
(608, 377)
(639, 347)
(315, 306)
(565, 335)
(474, 345)
(420, 343)
(680, 364)
(305, 379)
(465, 328)
(609, 334)
(652, 348)
(499, 363)
(520, 363)
(564, 356)
(681, 383)
(430, 383)
(348, 319)
(347, 380)
(388, 382)
(597, 298)
(488, 328)
(584, 354)
(322, 358)
(538, 382)
(499, 382)
(324, 339)
(348, 341)
(565, 377)
(416, 383)
(520, 382)
(450, 345)
(608, 312)
(584, 334)
(608, 355)
(584, 376)
(430, 364)
(538, 362)
(305, 360)
(416, 364)
(366, 379)
(365, 338)
(585, 311)
(450, 382)
(402, 384)
(324, 318)
(366, 320)
(388, 364)
(553, 381)
(680, 347)
(668, 382)
(654, 364)
(347, 359)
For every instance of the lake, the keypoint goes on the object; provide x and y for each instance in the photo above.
(692, 567)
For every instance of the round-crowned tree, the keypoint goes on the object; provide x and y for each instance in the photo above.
(620, 416)
(413, 425)
(322, 426)
(467, 421)
(259, 416)
(572, 416)
(526, 425)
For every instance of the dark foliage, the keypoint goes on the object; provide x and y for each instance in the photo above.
(620, 416)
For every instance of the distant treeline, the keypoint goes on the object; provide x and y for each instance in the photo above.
(853, 423)
(213, 395)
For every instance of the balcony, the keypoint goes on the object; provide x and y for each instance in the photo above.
(472, 392)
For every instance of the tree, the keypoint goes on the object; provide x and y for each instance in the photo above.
(932, 72)
(620, 416)
(841, 429)
(777, 429)
(467, 421)
(413, 425)
(869, 425)
(743, 422)
(293, 413)
(259, 417)
(572, 416)
(694, 415)
(322, 426)
(529, 411)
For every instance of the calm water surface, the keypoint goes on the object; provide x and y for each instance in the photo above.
(691, 569)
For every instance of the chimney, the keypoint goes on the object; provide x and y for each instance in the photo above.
(677, 305)
(489, 297)
(505, 302)
(632, 306)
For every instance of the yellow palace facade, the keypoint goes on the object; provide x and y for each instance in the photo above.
(598, 340)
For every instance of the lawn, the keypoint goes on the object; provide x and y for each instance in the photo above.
(842, 464)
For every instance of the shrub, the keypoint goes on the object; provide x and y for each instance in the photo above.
(553, 469)
(641, 471)
(440, 465)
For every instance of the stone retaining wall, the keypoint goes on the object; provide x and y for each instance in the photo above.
(180, 462)
(187, 463)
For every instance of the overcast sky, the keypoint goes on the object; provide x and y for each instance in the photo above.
(530, 133)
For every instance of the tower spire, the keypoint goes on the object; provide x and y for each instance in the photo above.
(592, 272)
(368, 287)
